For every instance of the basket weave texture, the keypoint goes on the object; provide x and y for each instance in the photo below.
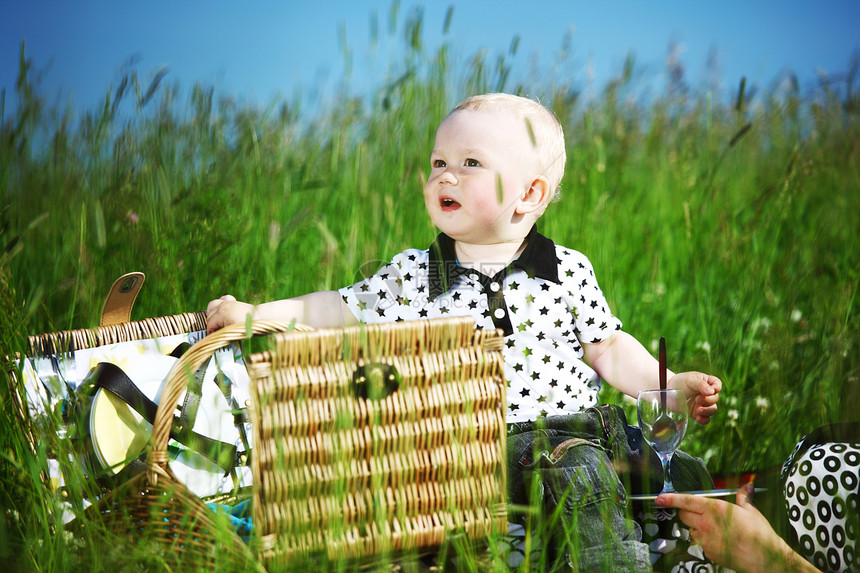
(172, 520)
(377, 439)
(71, 340)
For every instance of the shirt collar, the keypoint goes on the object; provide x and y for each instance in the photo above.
(538, 259)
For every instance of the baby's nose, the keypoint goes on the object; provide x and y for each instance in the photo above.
(448, 177)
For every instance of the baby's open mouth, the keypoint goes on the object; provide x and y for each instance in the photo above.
(448, 204)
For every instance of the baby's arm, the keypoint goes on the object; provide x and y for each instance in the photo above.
(625, 364)
(317, 309)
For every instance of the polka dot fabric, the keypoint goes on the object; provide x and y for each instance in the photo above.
(821, 491)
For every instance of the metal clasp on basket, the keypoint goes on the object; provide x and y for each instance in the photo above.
(375, 381)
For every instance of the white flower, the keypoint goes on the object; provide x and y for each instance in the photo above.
(709, 454)
(274, 235)
(733, 417)
(762, 403)
(796, 315)
(761, 322)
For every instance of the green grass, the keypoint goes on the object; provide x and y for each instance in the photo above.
(730, 228)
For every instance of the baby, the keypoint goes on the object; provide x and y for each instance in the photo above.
(497, 162)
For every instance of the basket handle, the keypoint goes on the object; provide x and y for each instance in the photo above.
(177, 381)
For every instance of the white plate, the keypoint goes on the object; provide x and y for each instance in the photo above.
(702, 493)
(119, 433)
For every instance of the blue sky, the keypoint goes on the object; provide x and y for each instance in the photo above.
(257, 51)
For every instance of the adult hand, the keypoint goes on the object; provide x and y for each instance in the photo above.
(226, 310)
(736, 536)
(702, 392)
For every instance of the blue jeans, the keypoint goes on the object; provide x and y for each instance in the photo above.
(577, 470)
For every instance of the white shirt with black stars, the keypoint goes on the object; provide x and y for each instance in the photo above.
(547, 302)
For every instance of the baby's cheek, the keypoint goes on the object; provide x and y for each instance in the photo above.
(491, 204)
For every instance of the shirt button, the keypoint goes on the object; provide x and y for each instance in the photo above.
(494, 286)
(473, 276)
(499, 313)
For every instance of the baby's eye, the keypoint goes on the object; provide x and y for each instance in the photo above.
(438, 163)
(473, 163)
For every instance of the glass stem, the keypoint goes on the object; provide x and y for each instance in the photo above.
(666, 459)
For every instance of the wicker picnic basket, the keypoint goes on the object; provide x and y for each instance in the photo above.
(377, 439)
(367, 440)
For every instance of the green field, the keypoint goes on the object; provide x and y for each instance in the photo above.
(729, 225)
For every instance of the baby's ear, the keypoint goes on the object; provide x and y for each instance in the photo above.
(535, 197)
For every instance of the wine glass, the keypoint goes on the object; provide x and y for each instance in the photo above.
(663, 420)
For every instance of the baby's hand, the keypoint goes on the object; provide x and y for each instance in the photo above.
(226, 310)
(702, 392)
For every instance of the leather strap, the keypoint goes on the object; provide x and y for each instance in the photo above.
(113, 379)
(195, 391)
(120, 299)
(193, 394)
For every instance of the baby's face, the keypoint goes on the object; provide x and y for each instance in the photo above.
(481, 164)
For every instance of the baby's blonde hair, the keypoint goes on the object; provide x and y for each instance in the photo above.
(542, 124)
